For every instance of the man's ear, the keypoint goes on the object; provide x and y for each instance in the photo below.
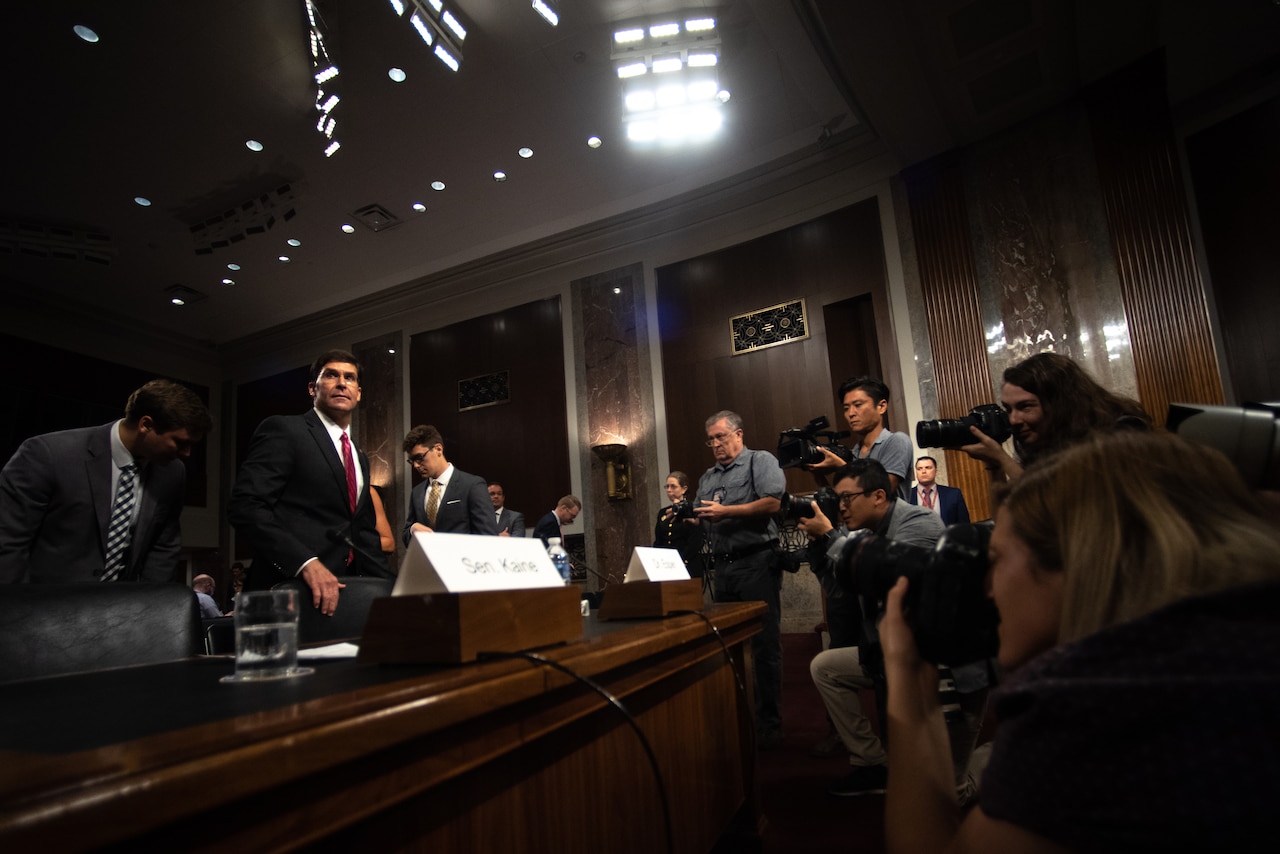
(311, 390)
(146, 424)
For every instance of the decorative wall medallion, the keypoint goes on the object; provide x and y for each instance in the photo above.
(769, 327)
(488, 390)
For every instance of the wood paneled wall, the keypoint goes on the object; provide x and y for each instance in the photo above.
(1147, 215)
(825, 260)
(524, 443)
(1237, 181)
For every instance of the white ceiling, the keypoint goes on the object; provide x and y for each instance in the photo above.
(162, 106)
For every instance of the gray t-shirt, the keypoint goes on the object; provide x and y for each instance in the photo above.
(894, 452)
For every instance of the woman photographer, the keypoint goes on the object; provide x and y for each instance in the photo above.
(1137, 584)
(677, 527)
(1051, 403)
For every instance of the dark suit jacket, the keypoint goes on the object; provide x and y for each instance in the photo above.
(290, 495)
(55, 504)
(951, 506)
(511, 522)
(548, 526)
(465, 507)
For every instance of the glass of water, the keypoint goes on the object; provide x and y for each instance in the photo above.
(267, 636)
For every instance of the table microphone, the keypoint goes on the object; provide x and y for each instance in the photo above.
(339, 535)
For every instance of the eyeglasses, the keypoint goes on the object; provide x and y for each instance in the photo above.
(720, 438)
(417, 458)
(846, 498)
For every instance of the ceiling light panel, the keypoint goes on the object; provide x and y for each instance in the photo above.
(325, 71)
(669, 75)
(439, 27)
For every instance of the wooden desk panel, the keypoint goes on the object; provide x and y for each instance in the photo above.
(504, 755)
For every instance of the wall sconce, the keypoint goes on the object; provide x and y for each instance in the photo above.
(616, 471)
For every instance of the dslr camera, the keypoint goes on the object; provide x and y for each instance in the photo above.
(802, 446)
(954, 432)
(796, 507)
(951, 617)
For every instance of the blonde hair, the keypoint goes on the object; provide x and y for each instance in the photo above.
(1137, 521)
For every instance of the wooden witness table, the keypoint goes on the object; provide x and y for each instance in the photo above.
(504, 755)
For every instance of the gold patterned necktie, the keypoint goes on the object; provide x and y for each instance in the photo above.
(433, 503)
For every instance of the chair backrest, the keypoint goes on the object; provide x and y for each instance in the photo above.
(353, 608)
(53, 629)
(219, 635)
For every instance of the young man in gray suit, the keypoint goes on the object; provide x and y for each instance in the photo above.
(448, 500)
(102, 503)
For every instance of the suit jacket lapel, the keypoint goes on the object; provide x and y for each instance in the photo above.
(330, 454)
(97, 466)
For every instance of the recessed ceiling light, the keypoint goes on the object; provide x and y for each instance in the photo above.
(525, 152)
(293, 241)
(178, 301)
(419, 207)
(284, 259)
(228, 281)
(437, 185)
(723, 96)
(142, 200)
(85, 33)
(499, 176)
(253, 145)
(594, 141)
(397, 74)
(233, 266)
(391, 350)
(348, 228)
(617, 290)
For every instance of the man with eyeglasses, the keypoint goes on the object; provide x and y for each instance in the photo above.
(447, 499)
(868, 500)
(737, 500)
(301, 499)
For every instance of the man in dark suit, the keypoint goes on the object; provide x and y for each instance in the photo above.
(550, 525)
(946, 501)
(448, 500)
(303, 491)
(61, 492)
(510, 523)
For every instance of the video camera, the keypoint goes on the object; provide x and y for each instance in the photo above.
(801, 446)
(954, 432)
(952, 618)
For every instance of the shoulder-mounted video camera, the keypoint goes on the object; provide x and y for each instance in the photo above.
(802, 446)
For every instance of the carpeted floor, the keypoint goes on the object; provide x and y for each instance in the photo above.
(801, 816)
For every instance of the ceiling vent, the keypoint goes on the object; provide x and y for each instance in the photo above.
(252, 216)
(184, 293)
(376, 218)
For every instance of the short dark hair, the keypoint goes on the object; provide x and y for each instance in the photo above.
(496, 483)
(930, 459)
(423, 434)
(869, 474)
(875, 389)
(332, 356)
(170, 405)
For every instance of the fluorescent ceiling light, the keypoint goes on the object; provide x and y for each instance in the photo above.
(640, 101)
(666, 64)
(671, 96)
(699, 25)
(328, 105)
(702, 60)
(664, 31)
(447, 58)
(642, 131)
(327, 75)
(628, 36)
(634, 69)
(333, 147)
(548, 14)
(398, 6)
(703, 90)
(422, 28)
(437, 5)
(453, 24)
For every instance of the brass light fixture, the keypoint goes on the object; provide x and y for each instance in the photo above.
(616, 471)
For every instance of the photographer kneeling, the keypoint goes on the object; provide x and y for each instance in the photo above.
(1137, 585)
(867, 501)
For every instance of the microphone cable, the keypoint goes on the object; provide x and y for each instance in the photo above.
(617, 704)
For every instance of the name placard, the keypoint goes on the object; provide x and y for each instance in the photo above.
(650, 564)
(464, 563)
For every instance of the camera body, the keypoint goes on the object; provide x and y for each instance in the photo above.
(796, 507)
(802, 446)
(954, 432)
(682, 510)
(953, 620)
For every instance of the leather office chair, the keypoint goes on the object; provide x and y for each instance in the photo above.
(353, 608)
(219, 635)
(53, 629)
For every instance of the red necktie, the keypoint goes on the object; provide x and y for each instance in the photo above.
(928, 497)
(350, 465)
